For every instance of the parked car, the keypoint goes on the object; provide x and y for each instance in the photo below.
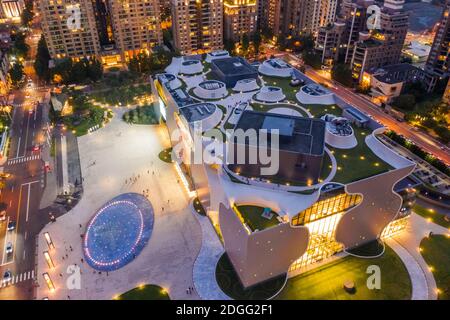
(9, 248)
(7, 277)
(3, 215)
(11, 225)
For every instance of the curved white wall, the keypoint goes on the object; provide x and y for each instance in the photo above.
(267, 94)
(306, 98)
(385, 153)
(213, 120)
(216, 93)
(246, 85)
(340, 142)
(192, 67)
(267, 69)
(221, 54)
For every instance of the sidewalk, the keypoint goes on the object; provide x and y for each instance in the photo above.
(108, 158)
(407, 246)
(204, 273)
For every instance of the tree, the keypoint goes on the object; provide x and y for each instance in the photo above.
(95, 70)
(404, 102)
(245, 43)
(16, 73)
(257, 43)
(42, 59)
(312, 58)
(20, 47)
(343, 74)
(229, 45)
(27, 14)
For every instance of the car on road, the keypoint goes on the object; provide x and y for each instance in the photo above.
(3, 215)
(36, 148)
(11, 225)
(9, 248)
(7, 277)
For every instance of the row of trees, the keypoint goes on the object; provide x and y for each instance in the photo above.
(27, 14)
(65, 71)
(150, 63)
(419, 152)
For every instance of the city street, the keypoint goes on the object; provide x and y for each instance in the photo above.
(22, 194)
(422, 139)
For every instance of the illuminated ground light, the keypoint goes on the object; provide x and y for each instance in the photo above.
(118, 232)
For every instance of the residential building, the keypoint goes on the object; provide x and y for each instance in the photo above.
(388, 82)
(336, 41)
(136, 25)
(240, 18)
(111, 30)
(65, 37)
(10, 10)
(377, 48)
(439, 59)
(296, 17)
(197, 25)
(418, 52)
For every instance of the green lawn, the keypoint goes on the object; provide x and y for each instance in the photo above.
(141, 115)
(145, 292)
(326, 282)
(284, 84)
(252, 216)
(318, 110)
(229, 282)
(436, 252)
(166, 155)
(358, 163)
(431, 214)
(267, 108)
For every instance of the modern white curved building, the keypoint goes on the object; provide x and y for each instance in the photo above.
(270, 94)
(275, 68)
(220, 54)
(208, 114)
(172, 81)
(211, 89)
(246, 85)
(339, 133)
(320, 202)
(237, 112)
(190, 67)
(315, 94)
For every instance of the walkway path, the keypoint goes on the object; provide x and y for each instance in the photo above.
(204, 273)
(109, 158)
(416, 274)
(406, 245)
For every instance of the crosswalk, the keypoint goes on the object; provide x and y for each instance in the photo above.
(24, 159)
(24, 276)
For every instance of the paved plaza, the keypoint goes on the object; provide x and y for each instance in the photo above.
(117, 159)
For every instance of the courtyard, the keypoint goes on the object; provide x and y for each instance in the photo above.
(117, 159)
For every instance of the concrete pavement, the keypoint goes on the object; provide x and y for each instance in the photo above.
(109, 157)
(406, 245)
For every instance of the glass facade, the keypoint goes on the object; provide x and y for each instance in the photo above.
(328, 206)
(322, 243)
(322, 219)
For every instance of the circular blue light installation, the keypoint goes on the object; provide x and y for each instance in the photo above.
(118, 232)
